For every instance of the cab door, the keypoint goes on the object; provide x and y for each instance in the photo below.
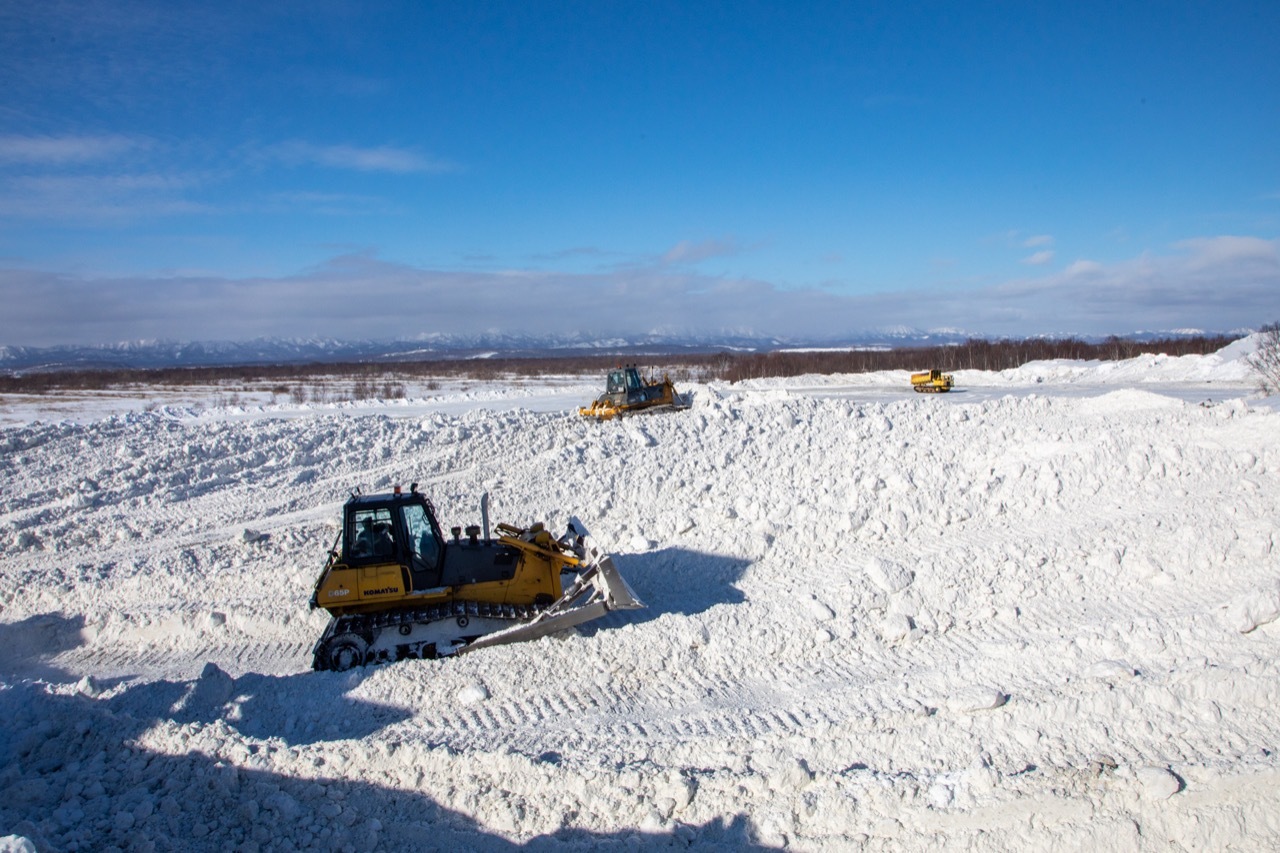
(373, 554)
(424, 546)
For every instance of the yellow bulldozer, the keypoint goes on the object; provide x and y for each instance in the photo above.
(398, 588)
(626, 392)
(931, 382)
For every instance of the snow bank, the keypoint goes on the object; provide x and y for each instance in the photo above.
(1196, 378)
(1015, 622)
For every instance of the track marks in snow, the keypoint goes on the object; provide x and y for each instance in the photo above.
(1061, 557)
(120, 661)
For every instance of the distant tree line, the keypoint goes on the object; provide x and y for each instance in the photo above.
(973, 354)
(371, 378)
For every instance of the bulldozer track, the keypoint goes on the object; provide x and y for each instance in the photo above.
(116, 661)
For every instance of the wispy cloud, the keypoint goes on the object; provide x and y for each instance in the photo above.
(1083, 267)
(579, 253)
(686, 252)
(1208, 252)
(327, 203)
(66, 150)
(381, 158)
(115, 178)
(100, 198)
(1038, 259)
(1017, 238)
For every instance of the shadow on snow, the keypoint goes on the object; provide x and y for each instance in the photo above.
(76, 777)
(676, 581)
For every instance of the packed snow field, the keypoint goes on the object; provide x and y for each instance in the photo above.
(1037, 612)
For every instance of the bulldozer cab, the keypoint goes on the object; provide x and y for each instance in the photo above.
(402, 530)
(623, 380)
(625, 387)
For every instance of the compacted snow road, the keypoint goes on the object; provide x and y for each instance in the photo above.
(1042, 613)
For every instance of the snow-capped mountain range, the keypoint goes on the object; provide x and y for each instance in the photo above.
(167, 353)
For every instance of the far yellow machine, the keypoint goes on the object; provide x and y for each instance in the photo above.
(626, 391)
(931, 382)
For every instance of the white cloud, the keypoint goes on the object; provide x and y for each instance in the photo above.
(1039, 258)
(1082, 267)
(1217, 283)
(686, 252)
(66, 150)
(114, 178)
(327, 204)
(1038, 240)
(381, 158)
(98, 198)
(1210, 251)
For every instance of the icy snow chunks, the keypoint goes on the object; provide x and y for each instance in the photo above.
(896, 627)
(641, 437)
(1158, 783)
(1248, 611)
(252, 537)
(890, 577)
(25, 540)
(473, 694)
(817, 610)
(1110, 670)
(820, 613)
(975, 698)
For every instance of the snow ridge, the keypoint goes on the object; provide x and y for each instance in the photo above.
(904, 623)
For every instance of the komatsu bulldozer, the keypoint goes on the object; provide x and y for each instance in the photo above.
(626, 391)
(398, 588)
(931, 381)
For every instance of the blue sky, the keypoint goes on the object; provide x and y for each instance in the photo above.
(201, 171)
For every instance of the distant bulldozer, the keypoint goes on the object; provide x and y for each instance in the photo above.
(931, 382)
(626, 391)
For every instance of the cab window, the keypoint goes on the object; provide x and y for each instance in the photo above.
(368, 535)
(424, 547)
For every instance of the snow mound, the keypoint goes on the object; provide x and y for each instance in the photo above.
(875, 620)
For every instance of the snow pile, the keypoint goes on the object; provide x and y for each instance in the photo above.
(1191, 377)
(1010, 622)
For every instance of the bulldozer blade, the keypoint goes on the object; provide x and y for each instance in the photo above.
(618, 592)
(539, 627)
(616, 588)
(598, 589)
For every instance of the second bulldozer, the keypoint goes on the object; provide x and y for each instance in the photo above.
(626, 391)
(931, 382)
